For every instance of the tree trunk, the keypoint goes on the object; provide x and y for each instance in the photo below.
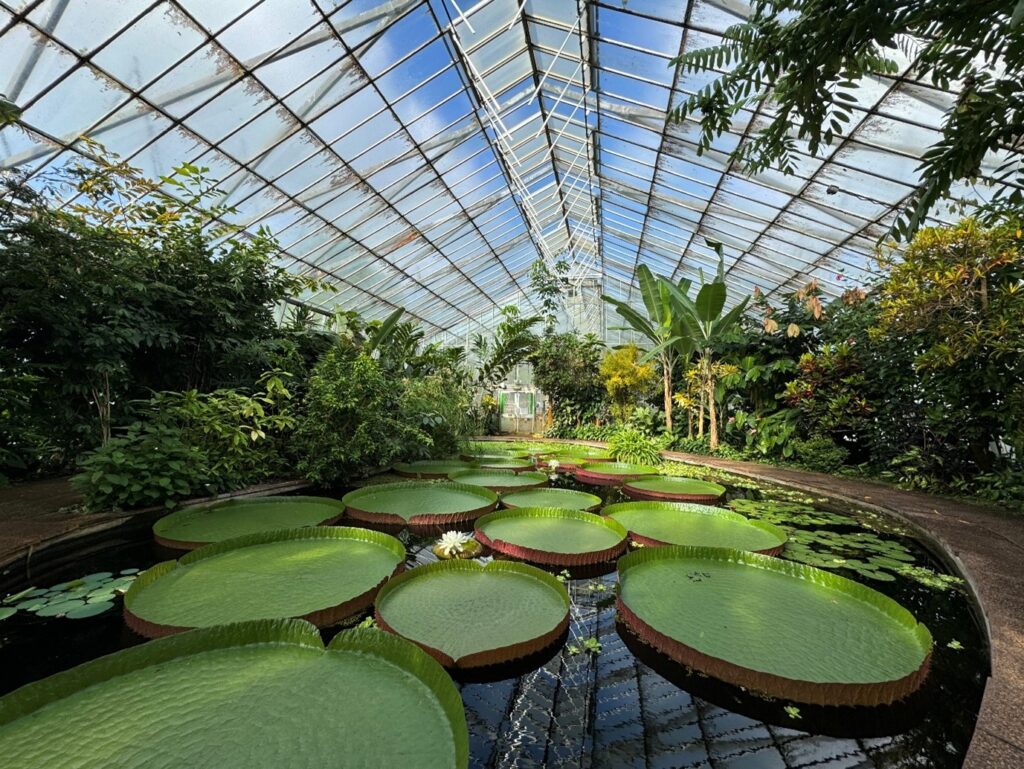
(712, 415)
(666, 379)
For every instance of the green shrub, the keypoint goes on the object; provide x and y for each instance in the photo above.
(628, 444)
(820, 453)
(443, 409)
(593, 432)
(151, 465)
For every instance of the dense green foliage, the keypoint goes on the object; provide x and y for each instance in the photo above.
(808, 58)
(566, 368)
(916, 380)
(112, 298)
(357, 419)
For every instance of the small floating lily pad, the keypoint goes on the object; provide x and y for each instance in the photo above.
(612, 473)
(420, 503)
(567, 499)
(552, 536)
(7, 611)
(772, 626)
(674, 489)
(500, 480)
(244, 696)
(680, 523)
(90, 609)
(466, 615)
(198, 525)
(430, 469)
(322, 574)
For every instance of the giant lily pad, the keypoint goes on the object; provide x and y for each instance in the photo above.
(552, 536)
(515, 464)
(431, 469)
(567, 499)
(569, 457)
(198, 525)
(671, 489)
(255, 695)
(772, 626)
(612, 473)
(679, 523)
(420, 503)
(466, 615)
(500, 480)
(322, 574)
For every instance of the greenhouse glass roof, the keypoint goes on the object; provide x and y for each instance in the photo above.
(424, 154)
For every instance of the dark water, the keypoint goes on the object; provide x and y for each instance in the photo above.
(624, 705)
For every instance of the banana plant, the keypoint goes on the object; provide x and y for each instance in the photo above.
(705, 327)
(664, 327)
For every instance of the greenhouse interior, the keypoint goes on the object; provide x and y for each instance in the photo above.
(362, 361)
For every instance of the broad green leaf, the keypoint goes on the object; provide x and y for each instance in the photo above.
(439, 607)
(710, 301)
(277, 686)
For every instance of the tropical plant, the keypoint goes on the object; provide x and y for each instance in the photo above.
(663, 327)
(810, 65)
(124, 291)
(566, 368)
(512, 343)
(151, 465)
(626, 378)
(628, 444)
(190, 443)
(548, 284)
(352, 421)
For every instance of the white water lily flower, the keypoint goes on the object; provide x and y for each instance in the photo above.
(553, 464)
(453, 542)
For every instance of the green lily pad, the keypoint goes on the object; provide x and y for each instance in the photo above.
(466, 615)
(552, 536)
(323, 574)
(245, 696)
(199, 525)
(7, 611)
(90, 609)
(59, 608)
(673, 489)
(431, 468)
(567, 499)
(773, 626)
(678, 523)
(612, 473)
(506, 463)
(420, 503)
(500, 480)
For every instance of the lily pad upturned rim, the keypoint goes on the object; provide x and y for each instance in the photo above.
(777, 532)
(480, 458)
(442, 468)
(813, 692)
(550, 557)
(496, 655)
(391, 649)
(164, 527)
(592, 472)
(584, 496)
(352, 509)
(540, 479)
(704, 492)
(324, 617)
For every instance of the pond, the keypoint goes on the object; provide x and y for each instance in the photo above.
(602, 699)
